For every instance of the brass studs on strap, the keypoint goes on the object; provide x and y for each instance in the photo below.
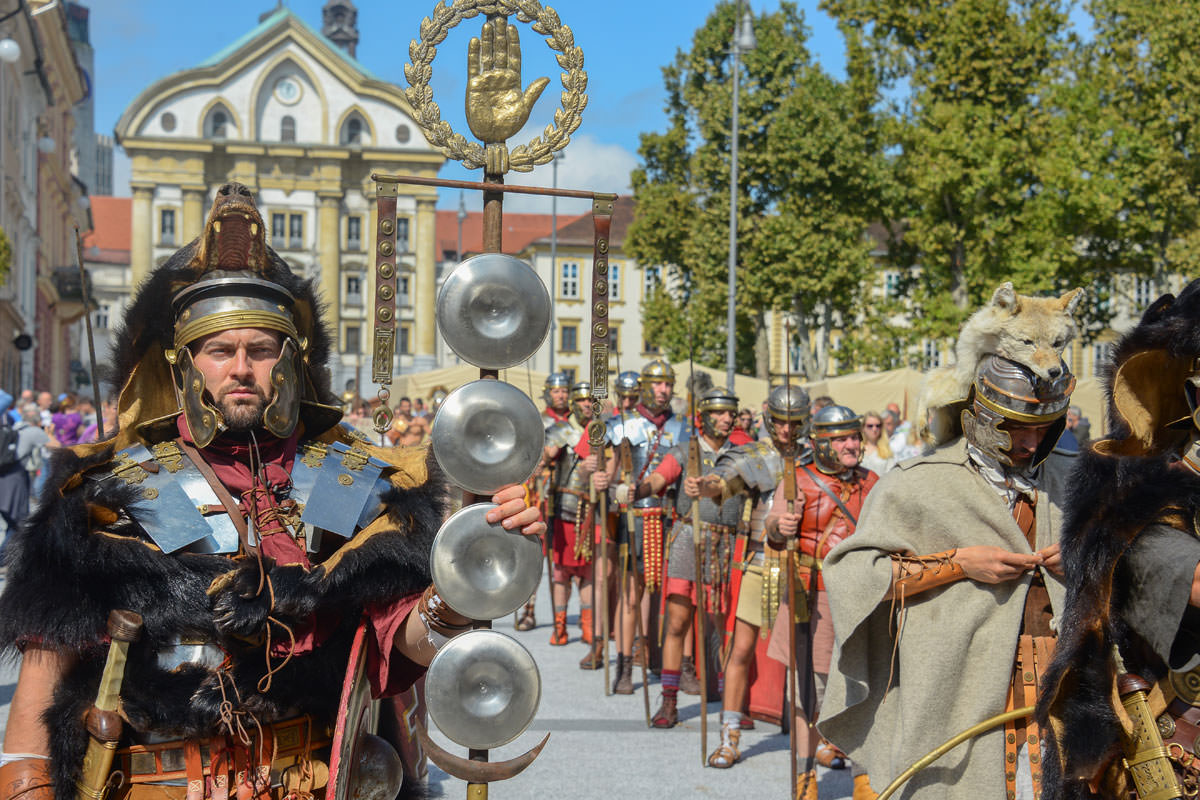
(600, 309)
(600, 330)
(386, 226)
(385, 315)
(386, 292)
(387, 271)
(386, 248)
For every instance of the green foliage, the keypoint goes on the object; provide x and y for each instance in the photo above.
(810, 181)
(5, 256)
(997, 140)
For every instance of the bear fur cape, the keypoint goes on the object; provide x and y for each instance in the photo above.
(1128, 490)
(83, 554)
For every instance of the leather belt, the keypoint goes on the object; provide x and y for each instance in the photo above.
(653, 511)
(167, 761)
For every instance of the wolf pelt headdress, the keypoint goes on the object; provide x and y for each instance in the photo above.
(1032, 331)
(1121, 485)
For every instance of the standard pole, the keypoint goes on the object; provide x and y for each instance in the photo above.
(730, 311)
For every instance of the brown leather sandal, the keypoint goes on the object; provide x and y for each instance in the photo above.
(667, 715)
(527, 622)
(829, 756)
(727, 753)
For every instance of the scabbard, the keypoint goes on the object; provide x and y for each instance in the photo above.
(103, 722)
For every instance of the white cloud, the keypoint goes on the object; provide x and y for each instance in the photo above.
(586, 163)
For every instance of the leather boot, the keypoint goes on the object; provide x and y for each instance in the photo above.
(806, 786)
(594, 658)
(640, 655)
(585, 625)
(688, 682)
(624, 682)
(862, 788)
(559, 636)
(667, 715)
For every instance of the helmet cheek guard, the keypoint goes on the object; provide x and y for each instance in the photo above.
(283, 412)
(203, 419)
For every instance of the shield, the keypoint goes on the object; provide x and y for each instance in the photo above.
(482, 570)
(493, 311)
(487, 434)
(483, 689)
(361, 765)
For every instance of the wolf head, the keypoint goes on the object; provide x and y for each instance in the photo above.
(1029, 330)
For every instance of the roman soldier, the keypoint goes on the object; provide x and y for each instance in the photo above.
(187, 594)
(556, 396)
(1119, 707)
(758, 579)
(943, 597)
(689, 584)
(829, 499)
(567, 450)
(650, 434)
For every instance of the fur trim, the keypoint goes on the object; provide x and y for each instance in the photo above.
(1113, 498)
(70, 564)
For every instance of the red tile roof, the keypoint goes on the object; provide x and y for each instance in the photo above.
(109, 241)
(579, 231)
(519, 231)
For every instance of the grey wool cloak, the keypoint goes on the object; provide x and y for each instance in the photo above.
(957, 643)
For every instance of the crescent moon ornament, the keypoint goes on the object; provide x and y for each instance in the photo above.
(476, 771)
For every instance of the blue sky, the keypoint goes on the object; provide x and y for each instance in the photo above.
(625, 44)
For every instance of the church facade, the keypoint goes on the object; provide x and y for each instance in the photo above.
(289, 112)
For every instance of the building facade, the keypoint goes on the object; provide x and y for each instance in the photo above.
(291, 114)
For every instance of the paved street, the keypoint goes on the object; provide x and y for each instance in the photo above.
(601, 746)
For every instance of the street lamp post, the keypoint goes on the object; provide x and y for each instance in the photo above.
(553, 247)
(743, 40)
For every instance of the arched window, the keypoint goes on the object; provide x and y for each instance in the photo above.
(353, 132)
(287, 129)
(220, 123)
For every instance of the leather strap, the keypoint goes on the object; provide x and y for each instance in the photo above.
(824, 487)
(922, 573)
(231, 505)
(26, 779)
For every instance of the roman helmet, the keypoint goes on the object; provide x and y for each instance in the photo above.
(788, 404)
(830, 423)
(1005, 391)
(626, 384)
(581, 402)
(654, 372)
(555, 380)
(227, 278)
(716, 399)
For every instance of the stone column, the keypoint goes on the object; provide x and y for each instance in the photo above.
(328, 218)
(193, 212)
(425, 299)
(142, 234)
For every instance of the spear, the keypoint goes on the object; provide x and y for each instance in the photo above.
(701, 644)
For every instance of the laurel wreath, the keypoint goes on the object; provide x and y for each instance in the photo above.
(545, 21)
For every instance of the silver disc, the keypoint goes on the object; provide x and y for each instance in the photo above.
(487, 434)
(482, 570)
(494, 311)
(482, 689)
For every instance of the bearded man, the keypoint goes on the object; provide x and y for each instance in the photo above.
(259, 541)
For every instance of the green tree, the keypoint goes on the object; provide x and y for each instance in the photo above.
(1128, 176)
(971, 129)
(812, 177)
